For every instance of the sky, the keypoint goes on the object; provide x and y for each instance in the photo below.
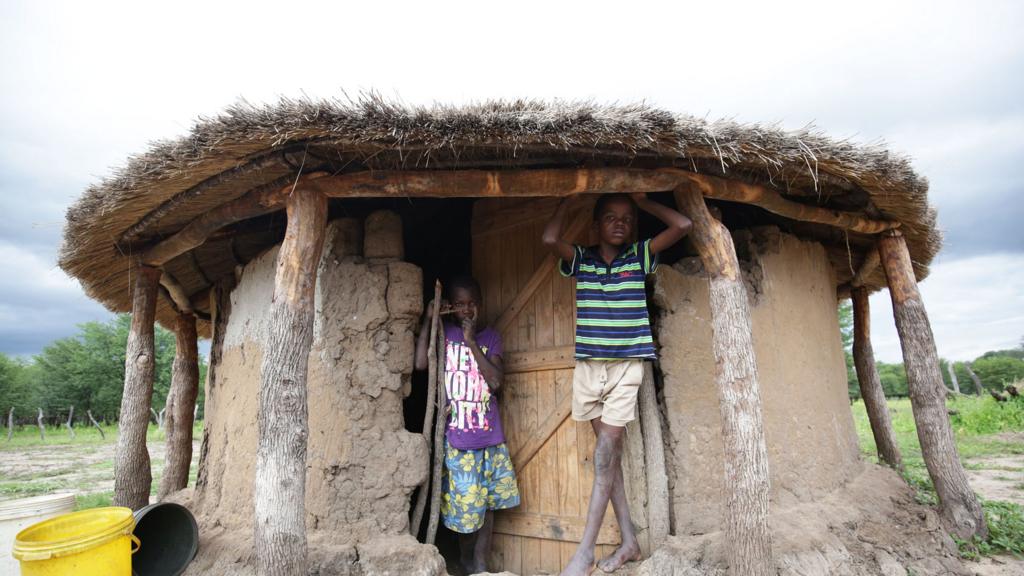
(86, 84)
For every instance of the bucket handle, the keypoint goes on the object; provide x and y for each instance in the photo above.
(136, 542)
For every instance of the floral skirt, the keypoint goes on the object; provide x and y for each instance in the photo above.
(477, 481)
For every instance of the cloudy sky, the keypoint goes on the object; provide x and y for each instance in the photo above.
(85, 84)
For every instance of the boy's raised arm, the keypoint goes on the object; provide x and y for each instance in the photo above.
(552, 236)
(676, 224)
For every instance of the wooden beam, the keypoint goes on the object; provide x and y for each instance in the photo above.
(176, 292)
(764, 197)
(132, 476)
(739, 395)
(491, 183)
(154, 216)
(280, 484)
(958, 505)
(870, 383)
(543, 271)
(867, 267)
(525, 453)
(181, 403)
(554, 358)
(262, 200)
(547, 527)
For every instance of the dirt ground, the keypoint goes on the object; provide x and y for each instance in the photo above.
(89, 469)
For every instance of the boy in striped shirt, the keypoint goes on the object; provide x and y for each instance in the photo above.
(613, 338)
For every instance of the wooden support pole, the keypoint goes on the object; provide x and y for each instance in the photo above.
(132, 475)
(870, 383)
(440, 425)
(42, 427)
(952, 376)
(71, 419)
(10, 423)
(181, 403)
(96, 424)
(958, 505)
(739, 396)
(654, 460)
(280, 486)
(769, 199)
(428, 415)
(974, 378)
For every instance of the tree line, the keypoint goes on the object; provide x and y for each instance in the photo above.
(85, 371)
(994, 369)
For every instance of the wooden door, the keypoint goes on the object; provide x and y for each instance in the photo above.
(533, 307)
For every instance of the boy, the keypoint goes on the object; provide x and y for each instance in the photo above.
(613, 338)
(480, 478)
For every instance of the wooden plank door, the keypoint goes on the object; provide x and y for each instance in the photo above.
(533, 307)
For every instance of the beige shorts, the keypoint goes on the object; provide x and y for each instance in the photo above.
(606, 389)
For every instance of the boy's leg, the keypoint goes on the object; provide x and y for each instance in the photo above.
(629, 549)
(607, 458)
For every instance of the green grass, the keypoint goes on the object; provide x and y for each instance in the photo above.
(27, 436)
(980, 425)
(94, 500)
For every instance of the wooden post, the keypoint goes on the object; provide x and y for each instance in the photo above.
(181, 402)
(10, 423)
(428, 415)
(132, 475)
(952, 377)
(440, 426)
(739, 397)
(958, 505)
(870, 383)
(71, 417)
(280, 486)
(974, 378)
(42, 427)
(654, 460)
(96, 424)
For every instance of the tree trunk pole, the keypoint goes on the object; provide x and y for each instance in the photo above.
(42, 427)
(739, 397)
(428, 416)
(132, 475)
(280, 486)
(71, 417)
(958, 505)
(974, 378)
(952, 377)
(96, 424)
(10, 423)
(180, 406)
(870, 383)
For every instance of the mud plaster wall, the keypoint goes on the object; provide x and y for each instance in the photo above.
(361, 462)
(812, 443)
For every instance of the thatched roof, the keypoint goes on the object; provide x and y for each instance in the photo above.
(159, 191)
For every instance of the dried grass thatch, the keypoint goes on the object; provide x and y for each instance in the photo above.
(162, 189)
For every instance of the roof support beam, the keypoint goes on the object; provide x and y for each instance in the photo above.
(496, 183)
(764, 197)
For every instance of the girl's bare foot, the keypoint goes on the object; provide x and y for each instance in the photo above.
(627, 552)
(579, 565)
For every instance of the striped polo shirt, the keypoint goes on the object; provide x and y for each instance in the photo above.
(611, 302)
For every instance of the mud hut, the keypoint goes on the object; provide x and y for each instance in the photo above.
(303, 236)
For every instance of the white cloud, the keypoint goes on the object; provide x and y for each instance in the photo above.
(974, 305)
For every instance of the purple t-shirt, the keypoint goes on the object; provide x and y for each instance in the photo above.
(474, 422)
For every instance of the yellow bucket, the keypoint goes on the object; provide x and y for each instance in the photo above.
(95, 542)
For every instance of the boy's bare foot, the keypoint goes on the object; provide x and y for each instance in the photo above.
(579, 565)
(627, 552)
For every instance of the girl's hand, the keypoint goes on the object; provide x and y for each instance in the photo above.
(469, 329)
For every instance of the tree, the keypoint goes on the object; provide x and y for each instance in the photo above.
(997, 371)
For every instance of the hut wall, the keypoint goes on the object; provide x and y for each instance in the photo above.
(362, 464)
(812, 443)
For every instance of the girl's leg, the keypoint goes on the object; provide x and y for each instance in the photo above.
(482, 547)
